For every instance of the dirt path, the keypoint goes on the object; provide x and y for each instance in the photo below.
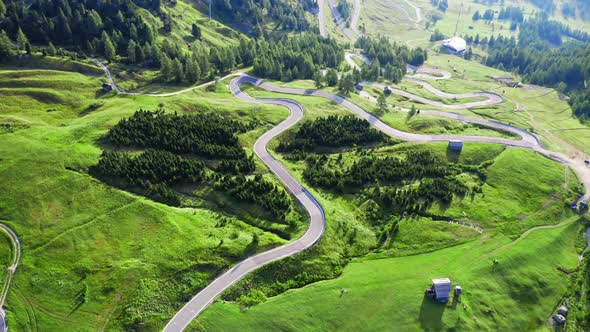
(524, 235)
(322, 19)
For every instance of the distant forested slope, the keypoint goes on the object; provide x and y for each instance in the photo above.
(289, 15)
(137, 32)
(546, 53)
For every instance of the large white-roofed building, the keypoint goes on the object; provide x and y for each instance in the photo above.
(455, 45)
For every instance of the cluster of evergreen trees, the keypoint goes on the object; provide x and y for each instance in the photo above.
(369, 169)
(259, 191)
(287, 58)
(150, 173)
(331, 131)
(344, 9)
(92, 26)
(514, 14)
(442, 5)
(488, 15)
(399, 185)
(536, 57)
(373, 177)
(207, 135)
(116, 30)
(289, 15)
(547, 6)
(181, 150)
(418, 198)
(392, 57)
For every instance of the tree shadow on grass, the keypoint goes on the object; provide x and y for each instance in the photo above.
(431, 314)
(453, 155)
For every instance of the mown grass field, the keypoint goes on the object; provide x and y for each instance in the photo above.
(524, 190)
(458, 18)
(95, 257)
(385, 18)
(388, 294)
(425, 124)
(537, 109)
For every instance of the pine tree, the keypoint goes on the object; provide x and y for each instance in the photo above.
(356, 75)
(346, 85)
(196, 31)
(177, 72)
(131, 54)
(382, 104)
(2, 8)
(476, 16)
(108, 47)
(332, 77)
(51, 49)
(469, 54)
(5, 46)
(192, 71)
(21, 40)
(318, 80)
(166, 68)
(139, 54)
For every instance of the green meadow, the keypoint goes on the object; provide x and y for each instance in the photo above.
(95, 257)
(517, 293)
(384, 286)
(98, 258)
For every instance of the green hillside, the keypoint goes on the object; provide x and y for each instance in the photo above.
(97, 257)
(128, 200)
(387, 294)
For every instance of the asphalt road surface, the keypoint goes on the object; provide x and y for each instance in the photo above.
(340, 21)
(208, 295)
(317, 224)
(354, 20)
(16, 252)
(430, 73)
(322, 19)
(311, 236)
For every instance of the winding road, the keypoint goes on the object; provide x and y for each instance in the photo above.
(311, 236)
(208, 295)
(354, 20)
(317, 219)
(322, 19)
(340, 21)
(430, 73)
(353, 33)
(16, 253)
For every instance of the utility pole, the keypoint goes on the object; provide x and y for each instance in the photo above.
(210, 2)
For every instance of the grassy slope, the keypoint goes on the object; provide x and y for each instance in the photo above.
(382, 17)
(523, 190)
(85, 243)
(184, 14)
(534, 108)
(415, 236)
(387, 293)
(463, 13)
(394, 117)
